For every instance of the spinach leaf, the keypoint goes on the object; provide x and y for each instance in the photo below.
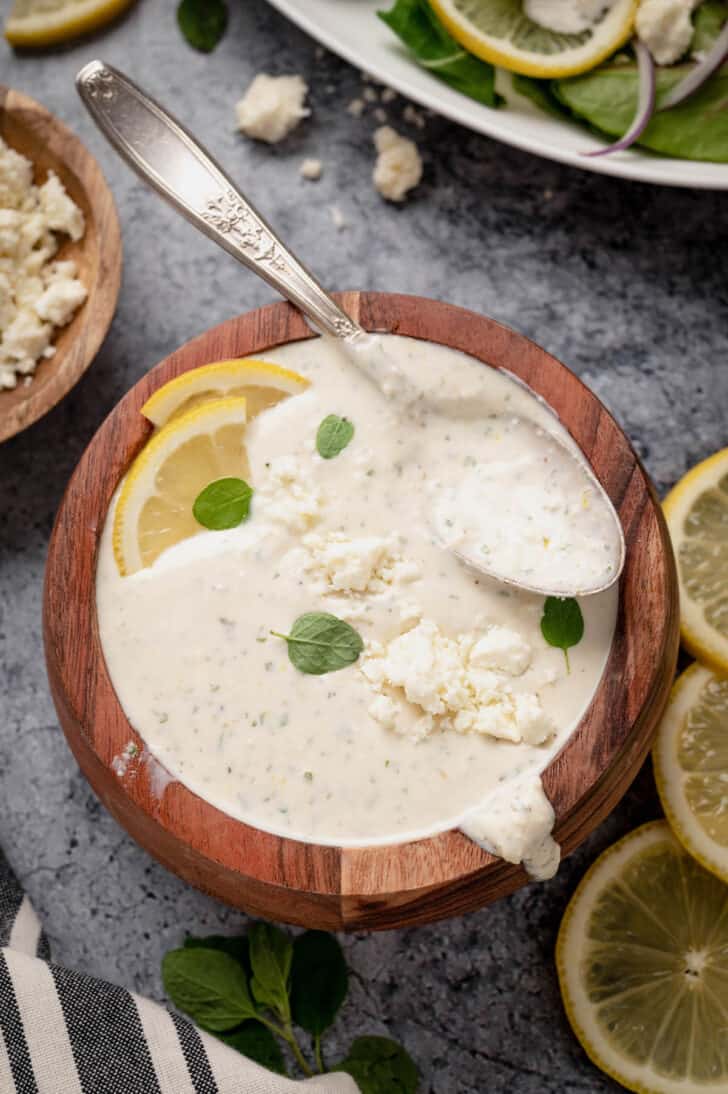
(319, 981)
(208, 985)
(435, 49)
(258, 1043)
(380, 1066)
(224, 503)
(320, 643)
(562, 623)
(203, 22)
(271, 954)
(237, 946)
(708, 22)
(540, 93)
(696, 129)
(333, 435)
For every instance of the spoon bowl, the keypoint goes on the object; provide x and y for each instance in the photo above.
(398, 883)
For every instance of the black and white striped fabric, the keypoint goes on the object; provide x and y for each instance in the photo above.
(65, 1033)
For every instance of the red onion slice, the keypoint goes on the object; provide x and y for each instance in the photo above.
(645, 102)
(713, 59)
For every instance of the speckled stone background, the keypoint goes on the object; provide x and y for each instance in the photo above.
(625, 282)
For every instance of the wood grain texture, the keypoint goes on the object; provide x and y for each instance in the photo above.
(31, 130)
(375, 887)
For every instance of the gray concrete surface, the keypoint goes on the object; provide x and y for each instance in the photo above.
(625, 282)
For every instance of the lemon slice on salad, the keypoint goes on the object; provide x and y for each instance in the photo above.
(38, 23)
(697, 517)
(260, 383)
(154, 509)
(500, 32)
(690, 759)
(642, 958)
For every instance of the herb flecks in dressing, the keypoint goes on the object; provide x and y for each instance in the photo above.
(351, 537)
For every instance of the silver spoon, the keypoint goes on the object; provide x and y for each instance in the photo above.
(166, 156)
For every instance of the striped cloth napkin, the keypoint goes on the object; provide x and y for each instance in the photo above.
(65, 1033)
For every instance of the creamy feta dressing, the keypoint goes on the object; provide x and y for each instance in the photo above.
(456, 697)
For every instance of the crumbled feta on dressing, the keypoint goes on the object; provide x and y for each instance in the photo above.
(371, 564)
(399, 167)
(461, 684)
(272, 107)
(36, 293)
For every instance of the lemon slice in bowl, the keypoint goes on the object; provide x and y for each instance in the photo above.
(154, 509)
(696, 511)
(500, 32)
(690, 759)
(642, 958)
(261, 384)
(38, 23)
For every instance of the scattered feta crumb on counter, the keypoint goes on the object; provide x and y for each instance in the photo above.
(665, 28)
(272, 107)
(436, 683)
(515, 823)
(369, 95)
(371, 564)
(338, 219)
(398, 168)
(36, 293)
(311, 169)
(388, 95)
(356, 107)
(380, 115)
(413, 117)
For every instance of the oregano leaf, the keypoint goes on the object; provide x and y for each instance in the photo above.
(562, 623)
(203, 22)
(320, 642)
(209, 985)
(271, 954)
(333, 435)
(380, 1066)
(319, 981)
(222, 504)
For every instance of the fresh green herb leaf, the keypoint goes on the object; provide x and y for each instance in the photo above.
(562, 623)
(320, 643)
(333, 435)
(258, 1043)
(696, 129)
(208, 985)
(319, 981)
(271, 954)
(435, 49)
(224, 503)
(380, 1066)
(203, 22)
(237, 946)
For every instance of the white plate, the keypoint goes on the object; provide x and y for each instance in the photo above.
(351, 29)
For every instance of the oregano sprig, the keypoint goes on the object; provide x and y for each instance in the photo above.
(562, 624)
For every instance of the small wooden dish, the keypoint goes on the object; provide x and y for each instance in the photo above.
(30, 129)
(376, 887)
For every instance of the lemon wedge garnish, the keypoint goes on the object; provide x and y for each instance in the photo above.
(690, 759)
(154, 509)
(38, 23)
(697, 516)
(642, 958)
(500, 32)
(261, 384)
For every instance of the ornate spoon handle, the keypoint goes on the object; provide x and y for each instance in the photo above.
(165, 155)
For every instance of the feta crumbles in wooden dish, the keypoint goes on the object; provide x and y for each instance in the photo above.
(60, 260)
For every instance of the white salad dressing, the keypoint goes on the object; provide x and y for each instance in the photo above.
(457, 701)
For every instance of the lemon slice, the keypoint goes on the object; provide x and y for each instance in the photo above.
(38, 23)
(261, 384)
(499, 31)
(154, 510)
(697, 516)
(642, 957)
(690, 759)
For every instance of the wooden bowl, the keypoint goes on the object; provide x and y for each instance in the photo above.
(31, 130)
(374, 887)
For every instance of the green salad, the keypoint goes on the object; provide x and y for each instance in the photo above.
(664, 86)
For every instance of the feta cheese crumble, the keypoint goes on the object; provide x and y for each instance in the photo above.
(311, 169)
(566, 16)
(428, 682)
(286, 498)
(272, 107)
(399, 167)
(665, 28)
(36, 294)
(371, 564)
